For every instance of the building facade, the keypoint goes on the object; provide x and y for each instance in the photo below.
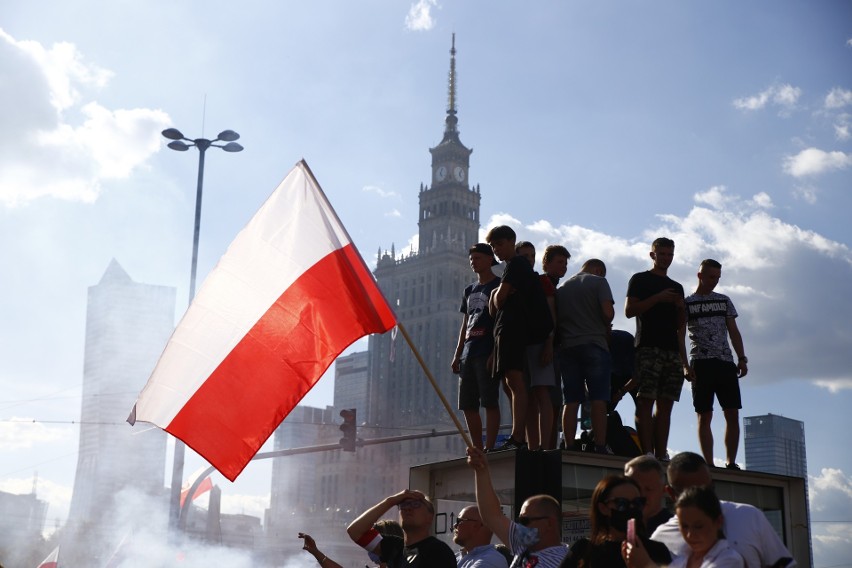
(775, 444)
(425, 289)
(351, 382)
(127, 326)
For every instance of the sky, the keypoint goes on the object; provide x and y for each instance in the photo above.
(725, 125)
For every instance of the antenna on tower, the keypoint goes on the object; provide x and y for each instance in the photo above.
(451, 103)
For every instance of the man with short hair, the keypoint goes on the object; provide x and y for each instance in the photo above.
(746, 527)
(539, 375)
(475, 540)
(648, 473)
(474, 356)
(554, 264)
(585, 309)
(541, 547)
(711, 318)
(656, 301)
(418, 548)
(508, 307)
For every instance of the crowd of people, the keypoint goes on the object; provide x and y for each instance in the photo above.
(629, 526)
(551, 348)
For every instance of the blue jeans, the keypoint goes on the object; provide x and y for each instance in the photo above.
(585, 366)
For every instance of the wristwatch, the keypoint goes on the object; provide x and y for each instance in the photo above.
(744, 359)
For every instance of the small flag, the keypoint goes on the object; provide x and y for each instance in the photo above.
(51, 560)
(289, 295)
(203, 487)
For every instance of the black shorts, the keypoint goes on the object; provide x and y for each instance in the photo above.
(715, 377)
(510, 354)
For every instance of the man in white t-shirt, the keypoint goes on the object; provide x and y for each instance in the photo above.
(746, 527)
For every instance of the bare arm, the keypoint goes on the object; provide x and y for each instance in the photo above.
(486, 498)
(311, 546)
(501, 294)
(608, 310)
(737, 342)
(688, 372)
(456, 364)
(368, 518)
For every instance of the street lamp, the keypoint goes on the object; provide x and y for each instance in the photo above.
(181, 143)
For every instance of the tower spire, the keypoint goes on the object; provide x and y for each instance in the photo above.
(452, 120)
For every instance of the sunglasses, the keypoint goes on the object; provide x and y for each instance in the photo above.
(413, 504)
(623, 504)
(460, 520)
(525, 521)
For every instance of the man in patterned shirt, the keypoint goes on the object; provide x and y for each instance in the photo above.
(535, 539)
(711, 319)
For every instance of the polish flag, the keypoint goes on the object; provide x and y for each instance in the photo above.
(289, 295)
(203, 487)
(51, 560)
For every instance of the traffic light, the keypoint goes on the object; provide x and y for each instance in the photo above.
(349, 426)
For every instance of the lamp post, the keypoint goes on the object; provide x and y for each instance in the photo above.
(181, 143)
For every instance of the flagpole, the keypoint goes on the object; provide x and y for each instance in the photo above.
(407, 337)
(179, 143)
(435, 385)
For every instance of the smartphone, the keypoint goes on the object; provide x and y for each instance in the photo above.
(631, 531)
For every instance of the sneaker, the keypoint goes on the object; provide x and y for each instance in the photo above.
(510, 444)
(731, 466)
(606, 450)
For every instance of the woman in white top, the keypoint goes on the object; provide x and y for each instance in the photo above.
(699, 515)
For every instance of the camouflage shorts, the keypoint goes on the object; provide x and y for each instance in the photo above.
(660, 373)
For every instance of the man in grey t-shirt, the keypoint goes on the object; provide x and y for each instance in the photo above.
(584, 311)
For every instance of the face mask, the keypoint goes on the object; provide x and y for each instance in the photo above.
(618, 519)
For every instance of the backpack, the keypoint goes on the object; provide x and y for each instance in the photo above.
(538, 317)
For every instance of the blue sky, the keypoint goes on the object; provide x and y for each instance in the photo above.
(598, 125)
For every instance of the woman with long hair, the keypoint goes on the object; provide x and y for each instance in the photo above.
(699, 515)
(616, 501)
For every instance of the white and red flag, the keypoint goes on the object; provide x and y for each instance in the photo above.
(51, 560)
(203, 487)
(289, 295)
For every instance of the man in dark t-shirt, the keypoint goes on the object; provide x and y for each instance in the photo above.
(508, 306)
(418, 549)
(657, 303)
(474, 356)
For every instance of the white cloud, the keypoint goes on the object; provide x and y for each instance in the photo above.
(813, 161)
(20, 433)
(835, 386)
(714, 197)
(842, 126)
(393, 213)
(785, 96)
(838, 98)
(419, 16)
(831, 501)
(807, 194)
(763, 200)
(51, 87)
(379, 191)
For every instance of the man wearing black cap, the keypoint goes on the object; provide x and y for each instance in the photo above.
(474, 356)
